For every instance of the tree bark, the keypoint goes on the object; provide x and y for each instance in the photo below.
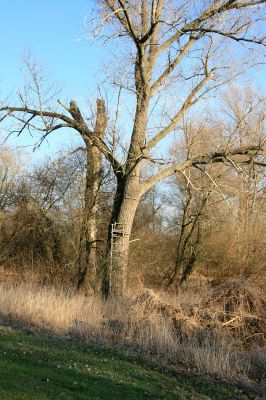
(87, 260)
(124, 209)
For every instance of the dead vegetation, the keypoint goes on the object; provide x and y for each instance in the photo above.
(239, 309)
(218, 330)
(29, 234)
(236, 309)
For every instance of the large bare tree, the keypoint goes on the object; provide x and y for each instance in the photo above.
(181, 49)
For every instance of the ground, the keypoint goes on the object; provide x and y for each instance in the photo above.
(38, 366)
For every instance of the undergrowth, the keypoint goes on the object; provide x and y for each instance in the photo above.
(221, 333)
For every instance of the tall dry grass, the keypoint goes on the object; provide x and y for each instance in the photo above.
(169, 326)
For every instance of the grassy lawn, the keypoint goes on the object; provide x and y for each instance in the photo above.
(38, 367)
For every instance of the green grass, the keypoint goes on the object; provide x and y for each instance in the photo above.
(38, 367)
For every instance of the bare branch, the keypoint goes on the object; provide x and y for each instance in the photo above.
(129, 20)
(125, 20)
(229, 35)
(172, 66)
(190, 100)
(76, 123)
(216, 157)
(212, 11)
(38, 113)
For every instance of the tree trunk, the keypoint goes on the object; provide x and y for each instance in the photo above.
(128, 193)
(87, 262)
(125, 204)
(87, 247)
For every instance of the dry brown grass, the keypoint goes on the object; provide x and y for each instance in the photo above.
(239, 308)
(179, 328)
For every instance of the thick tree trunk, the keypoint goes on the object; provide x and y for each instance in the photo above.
(126, 201)
(88, 238)
(87, 262)
(128, 191)
(125, 204)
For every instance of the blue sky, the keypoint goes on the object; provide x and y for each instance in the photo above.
(52, 32)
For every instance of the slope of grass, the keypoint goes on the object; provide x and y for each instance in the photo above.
(39, 366)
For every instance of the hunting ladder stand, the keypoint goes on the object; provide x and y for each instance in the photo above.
(118, 235)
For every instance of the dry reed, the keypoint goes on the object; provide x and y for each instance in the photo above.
(174, 330)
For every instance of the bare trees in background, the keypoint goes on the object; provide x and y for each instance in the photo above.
(221, 210)
(245, 110)
(174, 56)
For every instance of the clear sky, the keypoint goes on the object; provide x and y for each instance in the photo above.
(52, 32)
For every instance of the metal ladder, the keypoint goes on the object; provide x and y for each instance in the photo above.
(118, 234)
